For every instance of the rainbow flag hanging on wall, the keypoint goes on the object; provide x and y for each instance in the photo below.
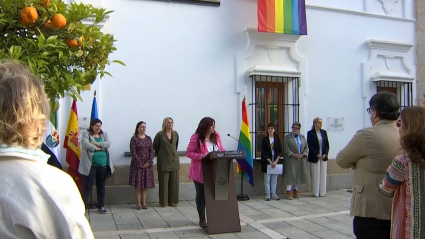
(245, 166)
(282, 16)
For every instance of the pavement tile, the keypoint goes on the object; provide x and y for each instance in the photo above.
(155, 224)
(247, 228)
(260, 217)
(334, 225)
(129, 219)
(330, 234)
(198, 233)
(163, 235)
(224, 236)
(346, 219)
(125, 227)
(277, 225)
(296, 233)
(180, 223)
(135, 236)
(307, 226)
(300, 213)
(109, 237)
(252, 235)
(104, 227)
(276, 213)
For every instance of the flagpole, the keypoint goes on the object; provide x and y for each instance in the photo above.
(242, 197)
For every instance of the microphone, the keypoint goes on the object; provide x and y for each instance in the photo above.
(232, 137)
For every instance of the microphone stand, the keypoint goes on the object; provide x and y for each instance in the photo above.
(240, 197)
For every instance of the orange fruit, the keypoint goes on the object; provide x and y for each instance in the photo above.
(58, 21)
(24, 23)
(29, 14)
(71, 42)
(46, 3)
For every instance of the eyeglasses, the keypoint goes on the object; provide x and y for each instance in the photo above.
(398, 123)
(368, 110)
(295, 127)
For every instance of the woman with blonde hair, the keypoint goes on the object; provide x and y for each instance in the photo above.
(318, 149)
(165, 144)
(40, 201)
(405, 178)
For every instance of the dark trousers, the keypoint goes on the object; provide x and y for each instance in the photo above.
(366, 227)
(200, 200)
(99, 174)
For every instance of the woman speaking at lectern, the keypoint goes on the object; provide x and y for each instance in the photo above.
(205, 140)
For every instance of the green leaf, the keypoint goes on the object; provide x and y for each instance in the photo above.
(119, 62)
(15, 52)
(51, 39)
(71, 27)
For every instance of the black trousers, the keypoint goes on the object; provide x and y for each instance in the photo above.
(99, 174)
(366, 227)
(200, 200)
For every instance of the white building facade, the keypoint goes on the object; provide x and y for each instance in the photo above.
(188, 61)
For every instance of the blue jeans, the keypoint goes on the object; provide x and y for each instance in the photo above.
(270, 183)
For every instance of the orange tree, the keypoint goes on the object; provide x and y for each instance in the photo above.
(61, 43)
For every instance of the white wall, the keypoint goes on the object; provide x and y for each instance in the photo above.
(181, 63)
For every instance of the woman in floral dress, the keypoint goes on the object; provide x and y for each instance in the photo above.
(405, 179)
(141, 172)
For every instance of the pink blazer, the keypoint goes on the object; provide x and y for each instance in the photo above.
(196, 153)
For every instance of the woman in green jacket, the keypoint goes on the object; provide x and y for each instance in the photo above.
(168, 164)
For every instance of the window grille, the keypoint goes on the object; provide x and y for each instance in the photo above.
(275, 100)
(403, 90)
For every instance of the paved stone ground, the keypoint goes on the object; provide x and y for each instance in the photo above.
(304, 218)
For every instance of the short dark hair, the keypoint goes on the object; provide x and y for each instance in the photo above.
(296, 124)
(92, 123)
(270, 125)
(386, 105)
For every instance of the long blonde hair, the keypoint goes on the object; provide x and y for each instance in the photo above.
(165, 121)
(315, 122)
(24, 106)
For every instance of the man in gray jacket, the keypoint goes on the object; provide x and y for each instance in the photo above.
(370, 152)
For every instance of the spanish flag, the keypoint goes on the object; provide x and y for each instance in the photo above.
(72, 146)
(245, 166)
(282, 16)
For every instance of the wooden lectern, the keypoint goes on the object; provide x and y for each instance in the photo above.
(220, 191)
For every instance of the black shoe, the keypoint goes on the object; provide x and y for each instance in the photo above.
(102, 210)
(203, 224)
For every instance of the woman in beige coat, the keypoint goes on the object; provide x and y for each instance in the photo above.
(296, 170)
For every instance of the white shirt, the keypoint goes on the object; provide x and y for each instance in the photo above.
(210, 146)
(272, 143)
(319, 137)
(38, 200)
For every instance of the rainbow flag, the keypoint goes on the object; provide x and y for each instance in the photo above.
(245, 166)
(72, 146)
(282, 16)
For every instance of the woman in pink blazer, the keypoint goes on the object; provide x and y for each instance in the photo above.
(205, 140)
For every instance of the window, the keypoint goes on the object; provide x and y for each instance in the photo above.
(276, 100)
(403, 90)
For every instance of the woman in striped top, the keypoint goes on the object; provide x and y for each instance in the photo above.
(405, 178)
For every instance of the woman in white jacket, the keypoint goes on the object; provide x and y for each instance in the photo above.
(36, 199)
